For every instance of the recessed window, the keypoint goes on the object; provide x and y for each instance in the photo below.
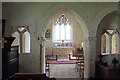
(109, 42)
(62, 30)
(26, 42)
(22, 38)
(114, 43)
(105, 44)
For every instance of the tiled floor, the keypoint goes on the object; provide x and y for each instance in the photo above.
(63, 71)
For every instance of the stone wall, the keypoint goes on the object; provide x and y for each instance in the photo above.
(36, 16)
(76, 29)
(109, 21)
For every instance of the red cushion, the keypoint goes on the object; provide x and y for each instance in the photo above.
(29, 75)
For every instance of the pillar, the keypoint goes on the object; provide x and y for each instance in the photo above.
(90, 57)
(42, 58)
(86, 58)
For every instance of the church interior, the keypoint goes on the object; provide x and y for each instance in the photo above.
(60, 40)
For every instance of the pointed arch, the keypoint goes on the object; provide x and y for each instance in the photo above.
(114, 43)
(101, 15)
(26, 42)
(105, 44)
(70, 13)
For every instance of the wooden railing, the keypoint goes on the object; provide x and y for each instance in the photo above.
(55, 57)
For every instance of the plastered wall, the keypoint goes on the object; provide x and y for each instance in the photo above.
(77, 35)
(36, 15)
(109, 21)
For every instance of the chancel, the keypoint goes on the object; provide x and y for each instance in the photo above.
(60, 40)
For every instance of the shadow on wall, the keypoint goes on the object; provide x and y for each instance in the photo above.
(110, 57)
(23, 69)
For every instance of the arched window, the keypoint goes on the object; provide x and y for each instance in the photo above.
(26, 42)
(114, 43)
(105, 44)
(62, 30)
(22, 39)
(109, 42)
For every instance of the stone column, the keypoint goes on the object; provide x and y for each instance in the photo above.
(86, 58)
(91, 56)
(42, 58)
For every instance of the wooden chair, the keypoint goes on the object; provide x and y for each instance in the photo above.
(47, 68)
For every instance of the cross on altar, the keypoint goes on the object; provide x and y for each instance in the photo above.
(2, 42)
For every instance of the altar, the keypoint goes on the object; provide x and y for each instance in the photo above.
(62, 50)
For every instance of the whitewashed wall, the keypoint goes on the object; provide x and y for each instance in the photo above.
(109, 21)
(36, 15)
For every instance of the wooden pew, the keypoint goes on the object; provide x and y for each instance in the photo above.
(106, 73)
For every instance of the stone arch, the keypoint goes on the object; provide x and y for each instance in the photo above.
(42, 23)
(102, 16)
(84, 29)
(75, 15)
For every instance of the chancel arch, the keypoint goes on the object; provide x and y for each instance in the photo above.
(89, 18)
(78, 28)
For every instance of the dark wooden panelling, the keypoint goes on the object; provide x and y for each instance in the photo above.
(10, 62)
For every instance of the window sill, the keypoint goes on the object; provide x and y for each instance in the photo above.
(109, 54)
(24, 53)
(105, 53)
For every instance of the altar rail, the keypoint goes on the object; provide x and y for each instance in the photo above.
(70, 56)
